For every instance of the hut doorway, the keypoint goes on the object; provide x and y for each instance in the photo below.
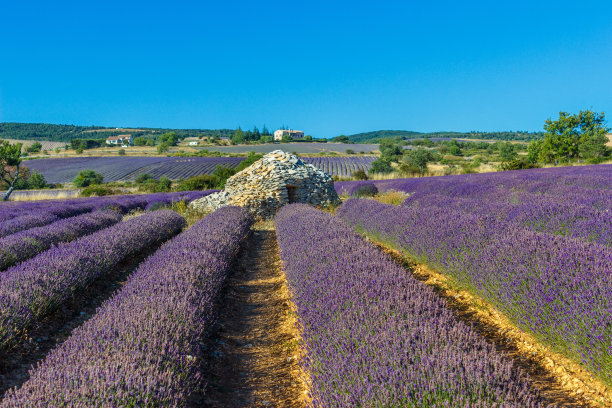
(292, 194)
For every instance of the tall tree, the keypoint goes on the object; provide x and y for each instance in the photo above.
(571, 136)
(10, 159)
(238, 136)
(507, 152)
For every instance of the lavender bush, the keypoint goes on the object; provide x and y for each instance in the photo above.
(141, 348)
(25, 244)
(374, 336)
(26, 221)
(34, 287)
(555, 287)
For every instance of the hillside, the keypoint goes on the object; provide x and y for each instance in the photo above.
(66, 133)
(376, 136)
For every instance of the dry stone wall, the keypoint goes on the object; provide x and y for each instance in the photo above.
(277, 179)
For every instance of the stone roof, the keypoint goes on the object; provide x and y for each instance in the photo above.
(277, 179)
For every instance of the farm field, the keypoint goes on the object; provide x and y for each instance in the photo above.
(45, 144)
(535, 244)
(117, 301)
(64, 170)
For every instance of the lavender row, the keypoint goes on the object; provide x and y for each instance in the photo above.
(584, 185)
(540, 213)
(374, 335)
(141, 347)
(40, 218)
(43, 213)
(25, 244)
(33, 288)
(554, 287)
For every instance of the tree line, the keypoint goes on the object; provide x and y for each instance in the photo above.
(66, 133)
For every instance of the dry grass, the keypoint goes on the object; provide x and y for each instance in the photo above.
(392, 197)
(28, 195)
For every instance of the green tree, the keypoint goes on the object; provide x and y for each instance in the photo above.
(121, 152)
(308, 138)
(140, 141)
(419, 158)
(571, 136)
(391, 150)
(341, 139)
(150, 142)
(87, 177)
(381, 165)
(507, 152)
(37, 180)
(162, 148)
(34, 148)
(10, 159)
(170, 138)
(238, 136)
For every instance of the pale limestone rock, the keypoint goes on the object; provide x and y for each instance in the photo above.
(277, 179)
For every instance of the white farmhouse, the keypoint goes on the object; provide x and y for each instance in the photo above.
(121, 140)
(294, 134)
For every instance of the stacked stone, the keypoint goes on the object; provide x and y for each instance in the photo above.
(263, 187)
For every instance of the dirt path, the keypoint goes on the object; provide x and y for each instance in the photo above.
(254, 355)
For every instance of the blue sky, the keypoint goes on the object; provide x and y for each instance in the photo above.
(325, 67)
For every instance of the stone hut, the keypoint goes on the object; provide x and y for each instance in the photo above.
(277, 179)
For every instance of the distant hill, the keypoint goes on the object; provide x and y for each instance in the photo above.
(376, 136)
(370, 137)
(66, 133)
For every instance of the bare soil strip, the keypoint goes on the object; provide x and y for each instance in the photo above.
(254, 354)
(563, 382)
(57, 327)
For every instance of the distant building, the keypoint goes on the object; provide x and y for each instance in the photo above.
(121, 140)
(193, 143)
(294, 134)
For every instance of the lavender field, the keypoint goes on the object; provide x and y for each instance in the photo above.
(64, 170)
(378, 337)
(536, 244)
(117, 302)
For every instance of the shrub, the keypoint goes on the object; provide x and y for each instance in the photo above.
(360, 175)
(164, 184)
(365, 190)
(121, 152)
(201, 182)
(143, 178)
(156, 205)
(87, 177)
(97, 190)
(518, 164)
